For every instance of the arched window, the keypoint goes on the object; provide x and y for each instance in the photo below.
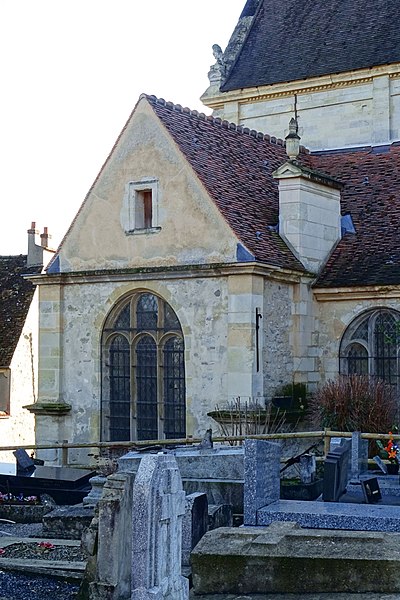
(143, 395)
(371, 345)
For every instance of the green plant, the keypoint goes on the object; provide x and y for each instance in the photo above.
(297, 391)
(354, 403)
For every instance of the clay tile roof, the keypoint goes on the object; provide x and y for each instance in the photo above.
(291, 40)
(15, 298)
(235, 165)
(371, 195)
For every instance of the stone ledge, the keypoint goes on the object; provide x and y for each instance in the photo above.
(54, 409)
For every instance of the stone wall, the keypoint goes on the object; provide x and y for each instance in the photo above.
(335, 111)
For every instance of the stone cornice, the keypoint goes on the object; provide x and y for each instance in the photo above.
(316, 84)
(344, 294)
(51, 409)
(178, 272)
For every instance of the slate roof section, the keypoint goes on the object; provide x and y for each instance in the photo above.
(16, 295)
(235, 165)
(371, 195)
(291, 40)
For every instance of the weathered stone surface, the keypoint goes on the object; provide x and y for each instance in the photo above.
(112, 574)
(67, 522)
(158, 505)
(284, 558)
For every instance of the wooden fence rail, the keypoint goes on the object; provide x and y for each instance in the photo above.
(325, 435)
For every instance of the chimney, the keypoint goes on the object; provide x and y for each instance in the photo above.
(35, 251)
(309, 209)
(44, 238)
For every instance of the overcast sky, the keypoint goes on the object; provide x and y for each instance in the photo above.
(71, 72)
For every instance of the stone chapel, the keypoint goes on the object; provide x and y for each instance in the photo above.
(223, 256)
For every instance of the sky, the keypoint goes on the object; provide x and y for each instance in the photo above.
(71, 73)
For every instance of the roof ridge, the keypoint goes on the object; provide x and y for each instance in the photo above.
(218, 121)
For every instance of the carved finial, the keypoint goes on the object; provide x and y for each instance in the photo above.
(218, 70)
(293, 140)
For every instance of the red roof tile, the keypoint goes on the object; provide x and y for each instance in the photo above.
(371, 195)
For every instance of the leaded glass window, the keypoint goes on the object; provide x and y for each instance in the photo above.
(143, 394)
(371, 345)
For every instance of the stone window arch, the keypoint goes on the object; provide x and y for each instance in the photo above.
(371, 345)
(143, 393)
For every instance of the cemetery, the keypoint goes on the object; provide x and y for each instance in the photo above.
(164, 521)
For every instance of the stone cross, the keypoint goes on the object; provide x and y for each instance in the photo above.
(157, 511)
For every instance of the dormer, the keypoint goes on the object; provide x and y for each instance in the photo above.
(309, 212)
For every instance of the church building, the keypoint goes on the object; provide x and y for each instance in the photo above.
(223, 256)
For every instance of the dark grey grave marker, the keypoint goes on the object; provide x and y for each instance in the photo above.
(336, 473)
(371, 490)
(25, 464)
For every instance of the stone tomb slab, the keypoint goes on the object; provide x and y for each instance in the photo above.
(332, 515)
(284, 558)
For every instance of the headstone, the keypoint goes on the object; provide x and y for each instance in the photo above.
(359, 455)
(25, 464)
(158, 506)
(371, 491)
(336, 468)
(261, 477)
(381, 464)
(195, 523)
(308, 467)
(108, 573)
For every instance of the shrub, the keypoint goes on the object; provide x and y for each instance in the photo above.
(354, 403)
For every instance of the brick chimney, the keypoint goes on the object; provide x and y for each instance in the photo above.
(44, 238)
(36, 250)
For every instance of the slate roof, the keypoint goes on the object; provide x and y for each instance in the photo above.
(235, 165)
(371, 195)
(15, 298)
(291, 40)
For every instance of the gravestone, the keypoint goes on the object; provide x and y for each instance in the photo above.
(308, 467)
(336, 474)
(261, 477)
(194, 525)
(371, 490)
(25, 464)
(359, 455)
(381, 465)
(158, 506)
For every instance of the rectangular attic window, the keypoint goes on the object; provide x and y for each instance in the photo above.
(142, 207)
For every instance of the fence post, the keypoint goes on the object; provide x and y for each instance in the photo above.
(64, 454)
(327, 440)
